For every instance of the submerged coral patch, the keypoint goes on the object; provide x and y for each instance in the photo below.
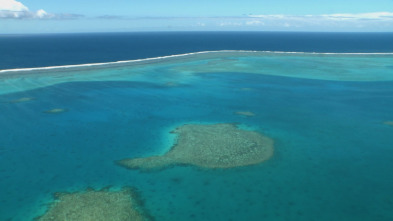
(22, 99)
(210, 146)
(96, 205)
(171, 84)
(390, 123)
(245, 113)
(55, 111)
(246, 89)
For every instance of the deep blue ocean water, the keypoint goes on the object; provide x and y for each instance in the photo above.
(333, 153)
(17, 51)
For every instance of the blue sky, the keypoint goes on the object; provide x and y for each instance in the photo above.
(57, 16)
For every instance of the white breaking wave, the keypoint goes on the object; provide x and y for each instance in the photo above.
(181, 55)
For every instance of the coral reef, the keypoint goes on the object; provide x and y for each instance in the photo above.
(245, 113)
(55, 111)
(99, 205)
(23, 99)
(390, 123)
(209, 146)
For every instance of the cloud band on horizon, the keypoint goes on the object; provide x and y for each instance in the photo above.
(18, 12)
(12, 9)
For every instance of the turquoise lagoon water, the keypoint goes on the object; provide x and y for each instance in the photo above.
(333, 155)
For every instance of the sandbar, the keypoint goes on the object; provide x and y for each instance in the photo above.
(209, 146)
(102, 205)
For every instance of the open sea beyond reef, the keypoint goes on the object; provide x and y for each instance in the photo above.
(328, 108)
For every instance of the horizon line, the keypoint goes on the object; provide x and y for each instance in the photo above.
(163, 31)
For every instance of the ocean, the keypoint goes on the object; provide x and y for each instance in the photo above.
(25, 51)
(325, 99)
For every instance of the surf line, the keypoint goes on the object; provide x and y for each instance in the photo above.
(181, 55)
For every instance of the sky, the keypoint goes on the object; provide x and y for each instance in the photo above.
(70, 16)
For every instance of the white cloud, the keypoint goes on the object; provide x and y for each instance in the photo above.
(344, 21)
(201, 24)
(41, 13)
(373, 21)
(12, 5)
(254, 22)
(383, 16)
(269, 16)
(360, 16)
(12, 9)
(230, 23)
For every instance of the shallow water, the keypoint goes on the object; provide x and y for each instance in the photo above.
(333, 153)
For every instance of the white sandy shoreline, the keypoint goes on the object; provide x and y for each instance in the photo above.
(178, 55)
